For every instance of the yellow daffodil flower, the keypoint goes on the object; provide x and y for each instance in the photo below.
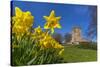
(38, 30)
(22, 21)
(52, 21)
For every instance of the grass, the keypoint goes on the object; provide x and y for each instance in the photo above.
(75, 54)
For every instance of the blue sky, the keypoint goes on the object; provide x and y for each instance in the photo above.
(71, 15)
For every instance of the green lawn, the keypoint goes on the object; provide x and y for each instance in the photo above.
(75, 54)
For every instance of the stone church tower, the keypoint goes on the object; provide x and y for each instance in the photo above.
(76, 35)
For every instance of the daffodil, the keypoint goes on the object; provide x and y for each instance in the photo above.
(38, 30)
(22, 21)
(52, 21)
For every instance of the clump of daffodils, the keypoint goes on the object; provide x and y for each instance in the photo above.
(22, 21)
(45, 40)
(34, 45)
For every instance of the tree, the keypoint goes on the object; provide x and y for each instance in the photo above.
(92, 28)
(67, 37)
(58, 37)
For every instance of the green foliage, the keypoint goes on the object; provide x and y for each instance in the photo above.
(22, 50)
(26, 52)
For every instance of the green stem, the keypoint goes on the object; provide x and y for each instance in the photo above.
(30, 62)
